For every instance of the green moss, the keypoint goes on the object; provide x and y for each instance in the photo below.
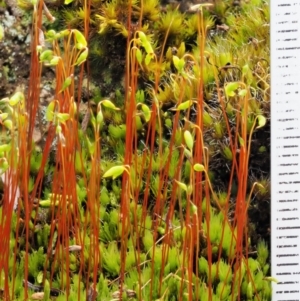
(233, 56)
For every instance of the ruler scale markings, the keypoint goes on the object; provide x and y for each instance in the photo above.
(285, 149)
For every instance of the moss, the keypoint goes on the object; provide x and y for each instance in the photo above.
(162, 87)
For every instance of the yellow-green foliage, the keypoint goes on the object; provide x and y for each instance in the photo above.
(171, 22)
(150, 9)
(173, 76)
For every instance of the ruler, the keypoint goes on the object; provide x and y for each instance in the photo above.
(285, 149)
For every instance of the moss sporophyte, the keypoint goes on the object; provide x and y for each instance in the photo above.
(150, 179)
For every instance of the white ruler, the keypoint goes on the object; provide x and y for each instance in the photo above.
(285, 148)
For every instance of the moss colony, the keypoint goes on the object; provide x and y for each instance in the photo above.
(151, 179)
